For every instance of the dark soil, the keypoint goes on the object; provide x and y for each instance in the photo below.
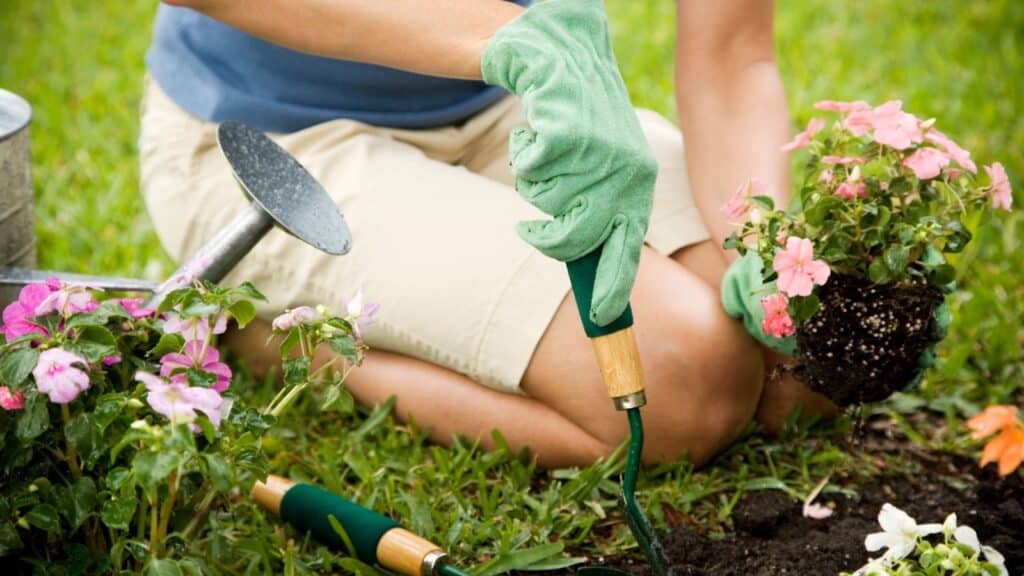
(864, 341)
(772, 537)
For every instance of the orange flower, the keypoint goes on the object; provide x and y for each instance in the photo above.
(992, 420)
(1006, 449)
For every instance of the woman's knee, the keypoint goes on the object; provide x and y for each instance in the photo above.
(704, 391)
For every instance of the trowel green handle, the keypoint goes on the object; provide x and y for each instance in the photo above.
(614, 344)
(376, 539)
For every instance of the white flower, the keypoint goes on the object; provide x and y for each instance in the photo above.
(967, 536)
(900, 533)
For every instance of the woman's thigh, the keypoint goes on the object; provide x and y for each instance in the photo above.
(433, 243)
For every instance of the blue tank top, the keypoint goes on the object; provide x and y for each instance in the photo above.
(218, 73)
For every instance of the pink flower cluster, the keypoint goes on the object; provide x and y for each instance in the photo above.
(929, 151)
(59, 374)
(170, 393)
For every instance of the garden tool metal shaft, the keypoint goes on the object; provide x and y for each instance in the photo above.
(14, 276)
(282, 193)
(619, 360)
(376, 539)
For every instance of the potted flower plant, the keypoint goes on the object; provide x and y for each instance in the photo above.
(852, 277)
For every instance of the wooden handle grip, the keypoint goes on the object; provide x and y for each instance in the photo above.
(269, 494)
(619, 360)
(404, 552)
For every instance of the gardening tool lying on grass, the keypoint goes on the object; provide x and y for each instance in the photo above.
(619, 360)
(375, 539)
(282, 193)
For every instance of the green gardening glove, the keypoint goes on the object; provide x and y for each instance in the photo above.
(583, 159)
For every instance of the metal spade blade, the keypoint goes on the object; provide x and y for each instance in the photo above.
(284, 189)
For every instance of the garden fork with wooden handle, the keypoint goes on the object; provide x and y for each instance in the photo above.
(619, 359)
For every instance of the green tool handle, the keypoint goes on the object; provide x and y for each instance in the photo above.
(615, 344)
(376, 539)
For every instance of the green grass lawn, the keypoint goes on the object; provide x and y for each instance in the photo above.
(80, 65)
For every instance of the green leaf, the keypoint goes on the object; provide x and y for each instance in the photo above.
(94, 343)
(339, 399)
(118, 512)
(162, 567)
(896, 259)
(9, 539)
(193, 306)
(78, 500)
(803, 307)
(108, 408)
(878, 272)
(17, 364)
(220, 472)
(34, 419)
(958, 236)
(732, 242)
(291, 340)
(152, 468)
(83, 433)
(345, 347)
(167, 344)
(249, 291)
(118, 479)
(243, 312)
(296, 370)
(518, 560)
(765, 483)
(201, 378)
(766, 202)
(45, 517)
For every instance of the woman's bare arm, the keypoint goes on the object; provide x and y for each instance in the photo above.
(439, 37)
(731, 104)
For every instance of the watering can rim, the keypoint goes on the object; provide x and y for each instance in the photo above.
(15, 114)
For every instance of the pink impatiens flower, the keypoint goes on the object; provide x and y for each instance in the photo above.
(851, 190)
(291, 318)
(18, 314)
(958, 154)
(1002, 195)
(797, 268)
(927, 162)
(825, 176)
(195, 328)
(894, 127)
(360, 314)
(134, 307)
(739, 204)
(57, 377)
(804, 138)
(843, 107)
(70, 299)
(178, 402)
(777, 321)
(174, 366)
(11, 400)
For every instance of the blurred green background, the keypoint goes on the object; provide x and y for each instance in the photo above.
(80, 65)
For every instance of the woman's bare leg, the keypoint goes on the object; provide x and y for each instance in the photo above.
(704, 378)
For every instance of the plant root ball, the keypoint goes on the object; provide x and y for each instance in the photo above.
(864, 342)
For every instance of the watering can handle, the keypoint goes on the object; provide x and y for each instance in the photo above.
(614, 344)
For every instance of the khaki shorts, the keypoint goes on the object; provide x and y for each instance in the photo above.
(432, 214)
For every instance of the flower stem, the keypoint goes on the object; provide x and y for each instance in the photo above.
(201, 510)
(70, 454)
(165, 514)
(153, 523)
